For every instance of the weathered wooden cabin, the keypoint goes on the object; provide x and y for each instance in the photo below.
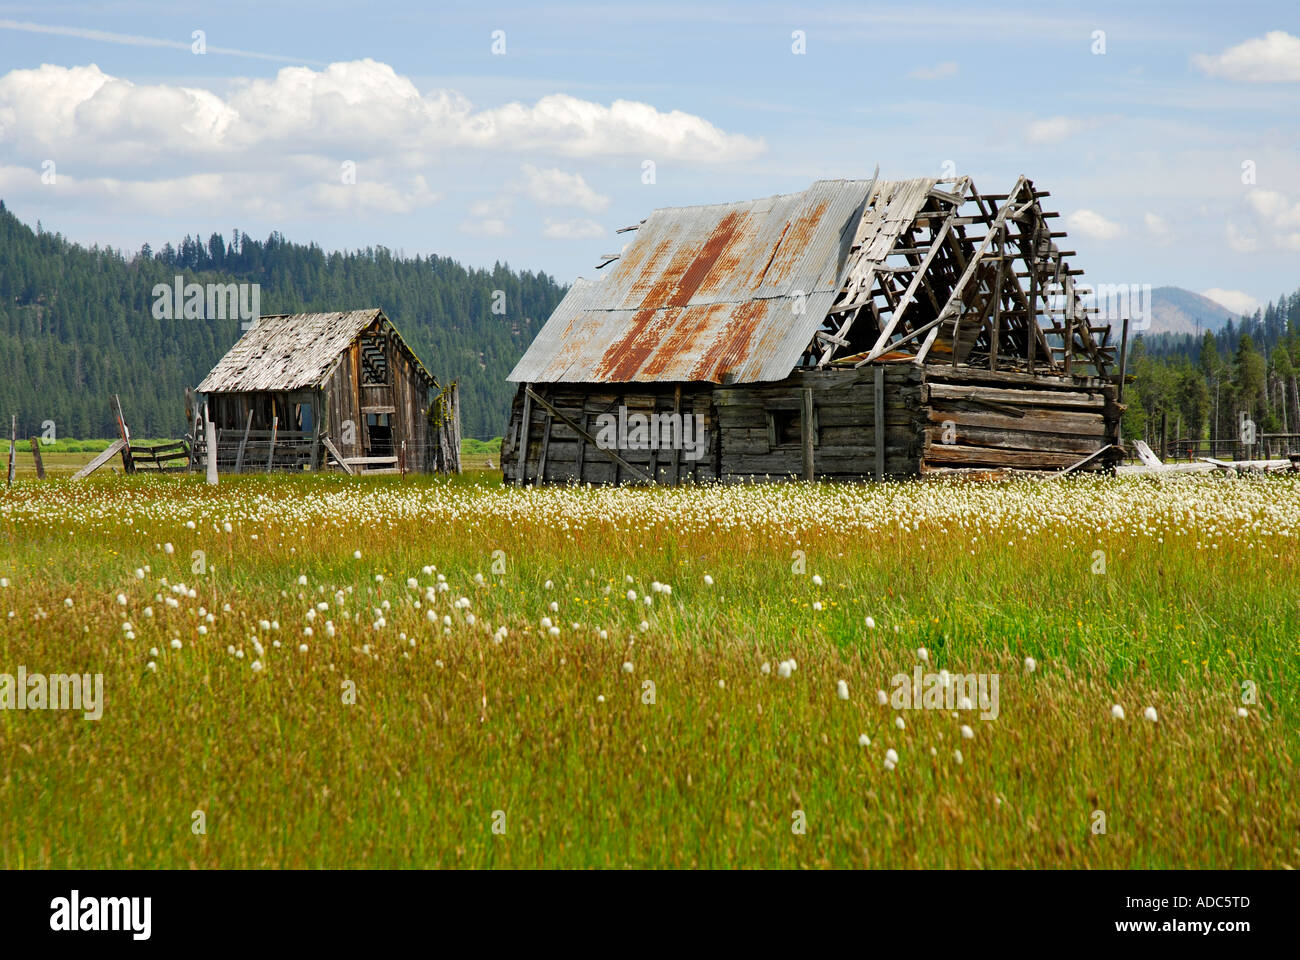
(304, 391)
(859, 329)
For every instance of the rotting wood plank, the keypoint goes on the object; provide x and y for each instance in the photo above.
(338, 457)
(108, 454)
(239, 457)
(607, 452)
(36, 458)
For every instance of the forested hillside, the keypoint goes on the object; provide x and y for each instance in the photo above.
(1201, 387)
(77, 324)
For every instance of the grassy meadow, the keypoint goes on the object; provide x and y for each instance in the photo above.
(324, 671)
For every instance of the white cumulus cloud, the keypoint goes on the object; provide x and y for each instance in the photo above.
(1237, 301)
(1272, 58)
(1090, 224)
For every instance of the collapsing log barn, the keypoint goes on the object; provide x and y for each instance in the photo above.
(297, 392)
(856, 330)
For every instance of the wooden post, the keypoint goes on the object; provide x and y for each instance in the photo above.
(36, 456)
(879, 404)
(523, 435)
(270, 453)
(239, 457)
(1032, 318)
(546, 445)
(13, 455)
(401, 459)
(1123, 363)
(316, 412)
(681, 432)
(128, 464)
(210, 450)
(808, 468)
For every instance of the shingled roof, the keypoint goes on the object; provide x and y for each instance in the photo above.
(294, 351)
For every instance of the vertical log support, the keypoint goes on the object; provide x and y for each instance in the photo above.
(128, 464)
(524, 427)
(879, 410)
(808, 468)
(36, 458)
(239, 457)
(13, 454)
(270, 453)
(210, 450)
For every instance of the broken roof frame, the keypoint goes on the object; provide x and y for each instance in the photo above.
(845, 273)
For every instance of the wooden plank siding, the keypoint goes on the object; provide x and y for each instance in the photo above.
(934, 419)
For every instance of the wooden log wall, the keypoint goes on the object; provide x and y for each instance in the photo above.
(844, 421)
(557, 452)
(980, 420)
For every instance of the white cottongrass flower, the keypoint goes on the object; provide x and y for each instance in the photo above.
(842, 690)
(817, 580)
(1150, 714)
(412, 583)
(765, 669)
(67, 601)
(644, 626)
(722, 684)
(882, 698)
(631, 595)
(356, 554)
(176, 643)
(1030, 664)
(1243, 712)
(121, 599)
(899, 722)
(783, 669)
(554, 631)
(817, 605)
(549, 585)
(153, 651)
(871, 623)
(168, 548)
(1117, 712)
(202, 630)
(864, 740)
(967, 733)
(306, 631)
(139, 573)
(627, 666)
(600, 698)
(546, 623)
(302, 648)
(151, 666)
(708, 580)
(923, 653)
(302, 579)
(555, 607)
(956, 755)
(148, 611)
(4, 581)
(256, 666)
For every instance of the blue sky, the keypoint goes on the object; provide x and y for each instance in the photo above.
(1173, 156)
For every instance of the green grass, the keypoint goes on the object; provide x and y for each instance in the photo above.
(1200, 593)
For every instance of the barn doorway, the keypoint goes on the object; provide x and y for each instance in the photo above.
(379, 435)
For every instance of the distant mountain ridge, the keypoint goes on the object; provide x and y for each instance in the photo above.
(1175, 310)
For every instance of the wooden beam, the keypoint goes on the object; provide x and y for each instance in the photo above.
(210, 450)
(128, 464)
(13, 454)
(565, 419)
(524, 426)
(808, 467)
(239, 457)
(270, 452)
(108, 454)
(338, 457)
(36, 457)
(879, 404)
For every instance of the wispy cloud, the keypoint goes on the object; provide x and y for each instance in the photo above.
(1272, 58)
(134, 40)
(946, 69)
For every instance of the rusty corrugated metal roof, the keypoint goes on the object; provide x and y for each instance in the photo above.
(727, 293)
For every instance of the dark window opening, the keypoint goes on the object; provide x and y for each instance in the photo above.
(379, 430)
(374, 363)
(785, 428)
